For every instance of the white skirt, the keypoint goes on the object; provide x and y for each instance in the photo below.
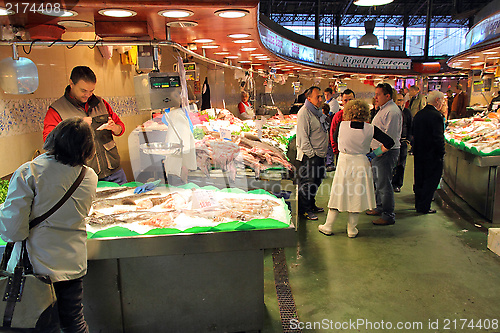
(352, 186)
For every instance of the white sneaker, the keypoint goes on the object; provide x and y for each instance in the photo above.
(324, 230)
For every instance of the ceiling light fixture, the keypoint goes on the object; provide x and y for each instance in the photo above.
(203, 40)
(242, 41)
(182, 24)
(245, 49)
(369, 40)
(256, 54)
(489, 52)
(477, 63)
(238, 35)
(175, 13)
(231, 57)
(117, 12)
(231, 13)
(60, 13)
(256, 64)
(473, 57)
(369, 3)
(492, 58)
(210, 46)
(75, 24)
(222, 53)
(244, 61)
(4, 11)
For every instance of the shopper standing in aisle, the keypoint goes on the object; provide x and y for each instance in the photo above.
(57, 246)
(334, 107)
(428, 149)
(347, 95)
(352, 187)
(79, 101)
(417, 100)
(459, 105)
(390, 120)
(331, 101)
(312, 144)
(399, 170)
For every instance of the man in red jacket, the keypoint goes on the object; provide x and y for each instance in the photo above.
(79, 101)
(347, 96)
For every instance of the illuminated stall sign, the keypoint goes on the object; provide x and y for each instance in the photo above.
(486, 29)
(287, 48)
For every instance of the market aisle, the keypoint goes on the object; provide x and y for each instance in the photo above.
(424, 268)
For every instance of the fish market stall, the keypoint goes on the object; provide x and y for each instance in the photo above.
(471, 162)
(229, 152)
(181, 259)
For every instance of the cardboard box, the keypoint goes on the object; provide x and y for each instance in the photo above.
(494, 240)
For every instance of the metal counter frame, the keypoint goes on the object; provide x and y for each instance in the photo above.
(475, 179)
(206, 282)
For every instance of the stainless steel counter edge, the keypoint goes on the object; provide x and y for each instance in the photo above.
(480, 161)
(162, 245)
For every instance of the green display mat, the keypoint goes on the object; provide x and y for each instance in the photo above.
(255, 224)
(461, 145)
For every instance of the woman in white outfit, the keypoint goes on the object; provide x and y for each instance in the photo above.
(352, 186)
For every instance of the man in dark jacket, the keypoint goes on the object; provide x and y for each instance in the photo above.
(399, 170)
(459, 105)
(428, 150)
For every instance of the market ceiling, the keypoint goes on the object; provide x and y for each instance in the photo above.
(444, 12)
(230, 40)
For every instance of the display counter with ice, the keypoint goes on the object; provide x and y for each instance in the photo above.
(471, 162)
(181, 259)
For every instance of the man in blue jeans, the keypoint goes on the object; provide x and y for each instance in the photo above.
(389, 119)
(312, 145)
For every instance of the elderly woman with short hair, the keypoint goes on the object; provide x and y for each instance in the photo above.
(352, 187)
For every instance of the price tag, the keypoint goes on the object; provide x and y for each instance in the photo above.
(258, 125)
(225, 134)
(204, 199)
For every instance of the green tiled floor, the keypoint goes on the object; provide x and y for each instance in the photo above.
(425, 270)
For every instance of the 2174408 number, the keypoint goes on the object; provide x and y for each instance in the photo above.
(47, 8)
(466, 324)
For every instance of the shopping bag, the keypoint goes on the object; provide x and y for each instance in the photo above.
(25, 296)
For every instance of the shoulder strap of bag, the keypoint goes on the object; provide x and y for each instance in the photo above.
(33, 223)
(36, 221)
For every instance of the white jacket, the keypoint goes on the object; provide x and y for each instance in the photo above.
(57, 246)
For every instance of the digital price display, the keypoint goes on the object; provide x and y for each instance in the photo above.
(158, 82)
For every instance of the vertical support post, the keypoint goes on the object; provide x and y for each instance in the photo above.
(427, 29)
(338, 20)
(405, 27)
(317, 19)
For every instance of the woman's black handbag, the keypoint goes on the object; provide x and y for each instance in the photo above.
(28, 300)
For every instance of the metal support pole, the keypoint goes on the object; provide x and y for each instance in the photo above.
(405, 27)
(317, 19)
(427, 29)
(338, 20)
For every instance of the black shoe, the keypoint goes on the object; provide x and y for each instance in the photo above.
(318, 209)
(397, 189)
(310, 216)
(331, 168)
